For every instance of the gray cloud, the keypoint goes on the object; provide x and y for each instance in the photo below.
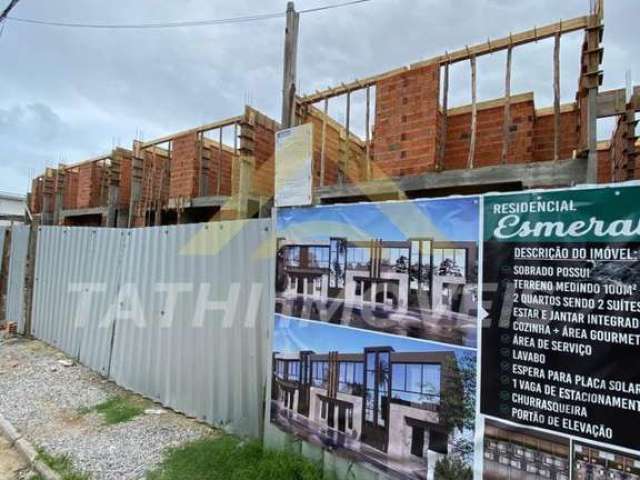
(69, 94)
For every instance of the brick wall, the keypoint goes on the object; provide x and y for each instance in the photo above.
(621, 154)
(335, 151)
(604, 164)
(185, 167)
(89, 185)
(406, 123)
(226, 160)
(489, 138)
(124, 196)
(155, 176)
(264, 156)
(544, 134)
(70, 195)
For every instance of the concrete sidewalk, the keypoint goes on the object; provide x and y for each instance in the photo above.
(12, 465)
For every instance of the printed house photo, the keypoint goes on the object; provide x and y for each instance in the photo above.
(410, 268)
(513, 453)
(594, 463)
(403, 406)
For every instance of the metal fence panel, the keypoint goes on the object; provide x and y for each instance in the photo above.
(15, 285)
(210, 365)
(75, 283)
(179, 314)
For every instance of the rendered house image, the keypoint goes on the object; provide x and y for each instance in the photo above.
(518, 454)
(418, 287)
(591, 463)
(379, 406)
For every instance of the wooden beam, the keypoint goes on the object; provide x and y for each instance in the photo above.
(29, 277)
(137, 168)
(367, 134)
(235, 139)
(506, 123)
(445, 119)
(556, 97)
(474, 113)
(591, 80)
(219, 174)
(348, 134)
(323, 144)
(203, 166)
(491, 46)
(201, 129)
(89, 160)
(612, 103)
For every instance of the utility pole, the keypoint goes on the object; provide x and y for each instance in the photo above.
(5, 13)
(290, 67)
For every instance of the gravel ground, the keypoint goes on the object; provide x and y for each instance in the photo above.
(42, 399)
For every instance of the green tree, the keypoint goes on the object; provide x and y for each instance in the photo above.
(458, 399)
(458, 403)
(452, 468)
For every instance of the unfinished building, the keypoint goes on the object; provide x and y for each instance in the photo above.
(221, 170)
(415, 145)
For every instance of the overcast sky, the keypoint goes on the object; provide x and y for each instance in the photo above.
(67, 94)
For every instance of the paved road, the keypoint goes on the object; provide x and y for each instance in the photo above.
(12, 467)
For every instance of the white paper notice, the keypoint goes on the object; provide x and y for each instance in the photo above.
(294, 160)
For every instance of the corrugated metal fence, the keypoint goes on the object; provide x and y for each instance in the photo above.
(15, 280)
(77, 273)
(180, 314)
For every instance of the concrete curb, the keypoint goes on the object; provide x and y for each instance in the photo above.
(26, 449)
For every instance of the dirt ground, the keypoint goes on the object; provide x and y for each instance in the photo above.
(12, 467)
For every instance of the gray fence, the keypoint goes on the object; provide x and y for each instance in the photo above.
(179, 314)
(15, 279)
(76, 278)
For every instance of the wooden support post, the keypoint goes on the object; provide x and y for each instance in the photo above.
(235, 139)
(136, 181)
(219, 173)
(48, 192)
(157, 204)
(29, 276)
(59, 194)
(368, 135)
(113, 189)
(246, 165)
(323, 144)
(593, 64)
(290, 67)
(445, 119)
(630, 150)
(506, 125)
(204, 155)
(474, 113)
(5, 254)
(347, 140)
(556, 98)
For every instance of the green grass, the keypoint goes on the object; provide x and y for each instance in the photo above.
(228, 458)
(118, 409)
(62, 465)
